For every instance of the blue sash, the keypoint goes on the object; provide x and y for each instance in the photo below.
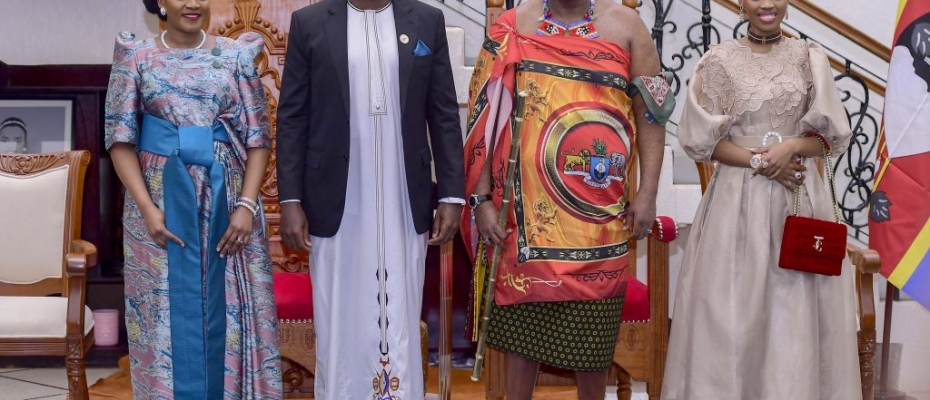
(198, 299)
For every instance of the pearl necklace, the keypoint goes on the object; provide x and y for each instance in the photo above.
(203, 39)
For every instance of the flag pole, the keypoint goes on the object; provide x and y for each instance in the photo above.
(883, 392)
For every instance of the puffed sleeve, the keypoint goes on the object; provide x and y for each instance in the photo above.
(257, 132)
(826, 117)
(703, 120)
(123, 105)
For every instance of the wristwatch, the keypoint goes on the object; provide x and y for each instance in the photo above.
(474, 200)
(756, 161)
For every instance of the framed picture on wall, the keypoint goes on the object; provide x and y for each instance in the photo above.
(36, 126)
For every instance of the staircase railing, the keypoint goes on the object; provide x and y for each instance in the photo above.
(837, 25)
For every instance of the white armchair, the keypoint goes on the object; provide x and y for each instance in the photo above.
(43, 261)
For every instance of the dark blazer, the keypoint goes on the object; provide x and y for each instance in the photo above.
(313, 113)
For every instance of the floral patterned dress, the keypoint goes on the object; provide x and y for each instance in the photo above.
(216, 87)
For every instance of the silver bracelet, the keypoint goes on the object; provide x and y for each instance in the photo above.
(251, 202)
(252, 209)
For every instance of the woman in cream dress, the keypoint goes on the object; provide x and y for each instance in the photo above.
(745, 329)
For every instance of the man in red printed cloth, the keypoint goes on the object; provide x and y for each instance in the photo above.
(596, 102)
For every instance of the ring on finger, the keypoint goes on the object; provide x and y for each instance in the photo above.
(797, 175)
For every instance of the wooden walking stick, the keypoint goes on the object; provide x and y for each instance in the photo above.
(517, 119)
(445, 321)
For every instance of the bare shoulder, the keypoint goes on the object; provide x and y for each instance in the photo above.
(618, 23)
(616, 11)
(528, 14)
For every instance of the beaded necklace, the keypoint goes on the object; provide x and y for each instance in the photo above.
(549, 26)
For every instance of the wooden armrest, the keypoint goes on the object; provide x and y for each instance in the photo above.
(83, 255)
(657, 281)
(866, 260)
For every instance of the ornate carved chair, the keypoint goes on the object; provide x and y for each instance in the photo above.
(43, 255)
(642, 343)
(867, 264)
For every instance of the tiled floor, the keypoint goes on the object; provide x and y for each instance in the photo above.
(42, 383)
(52, 383)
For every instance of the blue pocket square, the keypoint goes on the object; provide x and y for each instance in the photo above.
(422, 50)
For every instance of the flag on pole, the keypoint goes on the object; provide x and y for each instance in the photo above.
(899, 215)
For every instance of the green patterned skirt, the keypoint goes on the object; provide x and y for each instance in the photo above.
(574, 335)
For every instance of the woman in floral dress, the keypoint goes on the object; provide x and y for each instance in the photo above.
(188, 131)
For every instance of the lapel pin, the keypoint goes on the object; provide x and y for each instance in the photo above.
(404, 39)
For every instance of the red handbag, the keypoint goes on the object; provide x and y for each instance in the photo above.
(813, 245)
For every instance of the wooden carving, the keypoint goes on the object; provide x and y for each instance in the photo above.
(270, 64)
(298, 358)
(632, 337)
(867, 360)
(25, 164)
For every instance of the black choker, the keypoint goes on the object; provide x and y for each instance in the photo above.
(773, 38)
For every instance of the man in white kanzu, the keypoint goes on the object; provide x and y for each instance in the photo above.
(363, 80)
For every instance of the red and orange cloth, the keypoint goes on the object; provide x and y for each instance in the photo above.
(571, 186)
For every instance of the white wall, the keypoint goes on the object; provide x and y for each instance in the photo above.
(36, 32)
(875, 18)
(82, 32)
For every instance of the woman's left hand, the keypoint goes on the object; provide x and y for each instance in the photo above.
(778, 159)
(237, 234)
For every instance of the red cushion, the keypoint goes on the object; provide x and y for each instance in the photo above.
(636, 303)
(293, 295)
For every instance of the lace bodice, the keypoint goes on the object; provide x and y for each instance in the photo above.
(775, 83)
(789, 90)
